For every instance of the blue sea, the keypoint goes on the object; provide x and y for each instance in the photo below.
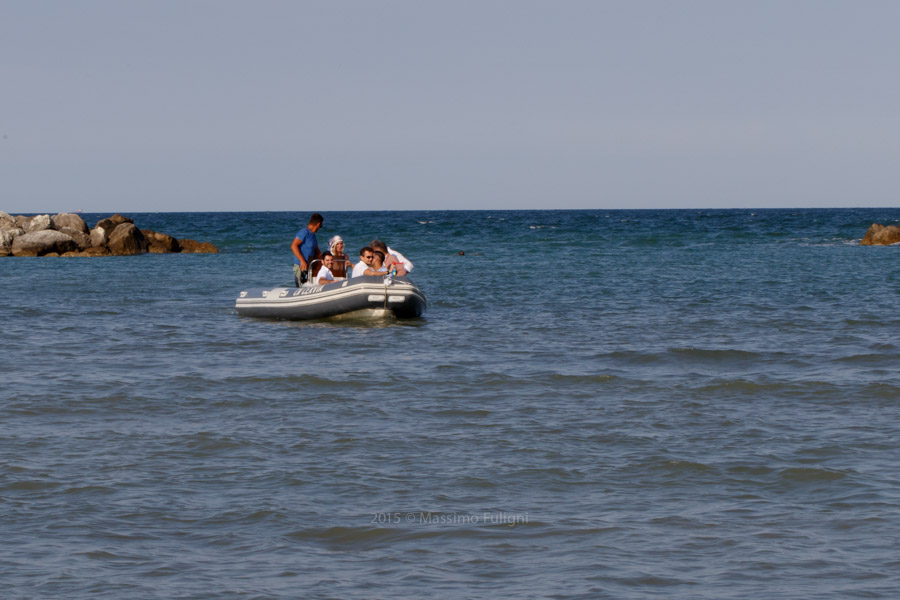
(596, 404)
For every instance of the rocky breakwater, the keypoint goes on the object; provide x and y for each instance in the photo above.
(880, 235)
(67, 234)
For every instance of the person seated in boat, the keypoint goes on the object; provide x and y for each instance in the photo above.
(407, 264)
(342, 265)
(325, 276)
(391, 263)
(305, 247)
(365, 258)
(376, 267)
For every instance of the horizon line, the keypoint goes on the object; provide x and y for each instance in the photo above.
(79, 211)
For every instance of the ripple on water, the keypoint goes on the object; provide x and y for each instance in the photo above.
(697, 419)
(810, 475)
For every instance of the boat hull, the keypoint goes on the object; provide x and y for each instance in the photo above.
(368, 296)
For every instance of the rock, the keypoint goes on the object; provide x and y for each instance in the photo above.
(126, 239)
(160, 243)
(879, 235)
(38, 223)
(6, 241)
(9, 225)
(112, 222)
(119, 219)
(70, 220)
(105, 224)
(193, 246)
(40, 243)
(95, 251)
(29, 224)
(66, 234)
(99, 237)
(7, 221)
(81, 238)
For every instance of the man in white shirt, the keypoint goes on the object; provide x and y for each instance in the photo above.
(407, 264)
(391, 261)
(365, 259)
(325, 275)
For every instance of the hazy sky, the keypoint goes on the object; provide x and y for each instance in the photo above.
(126, 105)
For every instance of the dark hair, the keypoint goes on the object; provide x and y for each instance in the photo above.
(327, 253)
(316, 219)
(365, 249)
(379, 245)
(379, 254)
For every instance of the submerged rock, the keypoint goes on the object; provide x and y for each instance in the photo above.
(95, 251)
(88, 252)
(879, 235)
(193, 246)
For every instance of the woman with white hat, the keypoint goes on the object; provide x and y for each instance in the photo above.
(342, 264)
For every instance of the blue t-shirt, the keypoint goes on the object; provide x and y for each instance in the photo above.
(308, 244)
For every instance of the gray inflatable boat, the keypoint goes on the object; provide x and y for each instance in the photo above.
(367, 296)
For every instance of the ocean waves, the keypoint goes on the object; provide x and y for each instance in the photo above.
(687, 404)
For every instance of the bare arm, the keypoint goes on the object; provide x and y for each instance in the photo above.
(393, 263)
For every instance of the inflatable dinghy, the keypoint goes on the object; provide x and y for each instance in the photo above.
(366, 296)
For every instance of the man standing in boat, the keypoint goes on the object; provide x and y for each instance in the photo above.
(306, 248)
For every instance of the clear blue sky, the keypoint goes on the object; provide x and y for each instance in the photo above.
(327, 105)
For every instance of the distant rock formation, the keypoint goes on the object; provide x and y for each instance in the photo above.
(879, 235)
(66, 234)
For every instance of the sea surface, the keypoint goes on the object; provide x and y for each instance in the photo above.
(596, 404)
